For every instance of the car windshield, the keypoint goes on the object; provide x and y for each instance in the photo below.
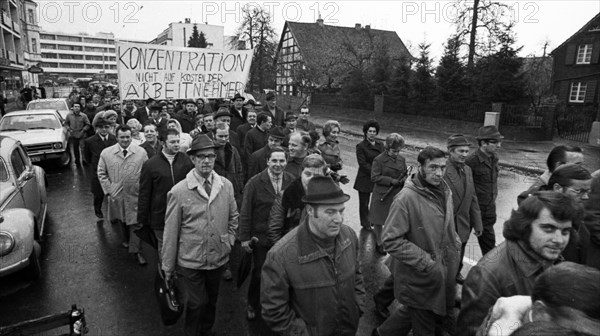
(30, 121)
(47, 105)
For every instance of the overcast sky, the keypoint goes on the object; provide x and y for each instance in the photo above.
(414, 21)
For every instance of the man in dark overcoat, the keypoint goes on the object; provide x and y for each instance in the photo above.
(92, 148)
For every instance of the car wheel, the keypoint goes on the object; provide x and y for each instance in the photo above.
(64, 159)
(34, 269)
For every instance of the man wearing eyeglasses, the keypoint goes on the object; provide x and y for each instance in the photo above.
(200, 225)
(303, 123)
(484, 164)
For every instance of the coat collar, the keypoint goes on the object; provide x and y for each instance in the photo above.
(484, 158)
(526, 260)
(193, 183)
(132, 149)
(309, 251)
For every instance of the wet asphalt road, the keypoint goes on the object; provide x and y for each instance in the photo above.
(84, 263)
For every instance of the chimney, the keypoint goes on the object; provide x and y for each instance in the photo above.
(357, 26)
(367, 27)
(188, 20)
(320, 21)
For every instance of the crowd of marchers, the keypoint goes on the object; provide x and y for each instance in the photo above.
(252, 179)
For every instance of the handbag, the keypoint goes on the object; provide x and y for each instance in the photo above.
(166, 295)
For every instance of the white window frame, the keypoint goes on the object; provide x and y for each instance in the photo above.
(578, 91)
(584, 53)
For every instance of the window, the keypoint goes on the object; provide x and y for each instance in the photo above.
(48, 46)
(584, 54)
(577, 92)
(17, 162)
(34, 46)
(47, 37)
(47, 55)
(30, 16)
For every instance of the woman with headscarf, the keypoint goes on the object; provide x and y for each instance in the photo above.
(137, 137)
(185, 140)
(366, 151)
(388, 173)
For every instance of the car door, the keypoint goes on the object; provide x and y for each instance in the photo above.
(26, 180)
(10, 196)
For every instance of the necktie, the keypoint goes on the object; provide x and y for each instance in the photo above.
(276, 185)
(207, 187)
(124, 152)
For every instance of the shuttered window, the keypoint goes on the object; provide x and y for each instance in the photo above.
(584, 54)
(578, 90)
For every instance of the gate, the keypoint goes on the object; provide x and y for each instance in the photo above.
(575, 122)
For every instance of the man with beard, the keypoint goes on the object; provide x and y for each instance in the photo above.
(159, 174)
(420, 236)
(259, 194)
(536, 235)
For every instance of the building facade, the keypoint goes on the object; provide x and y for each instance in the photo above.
(315, 55)
(178, 35)
(576, 70)
(19, 46)
(67, 57)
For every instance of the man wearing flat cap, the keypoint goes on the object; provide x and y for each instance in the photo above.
(459, 178)
(275, 112)
(311, 280)
(223, 116)
(290, 127)
(200, 225)
(484, 164)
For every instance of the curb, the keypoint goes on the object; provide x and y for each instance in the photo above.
(504, 164)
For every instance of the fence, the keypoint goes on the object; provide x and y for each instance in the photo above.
(575, 122)
(343, 101)
(522, 115)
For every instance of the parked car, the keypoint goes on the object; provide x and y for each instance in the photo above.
(59, 104)
(41, 132)
(23, 207)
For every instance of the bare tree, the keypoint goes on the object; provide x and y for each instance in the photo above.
(483, 22)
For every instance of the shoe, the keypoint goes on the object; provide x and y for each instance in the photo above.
(227, 274)
(460, 279)
(140, 259)
(99, 214)
(367, 227)
(125, 244)
(250, 314)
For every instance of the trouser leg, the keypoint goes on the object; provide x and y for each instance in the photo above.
(425, 322)
(398, 324)
(463, 246)
(134, 240)
(363, 208)
(98, 193)
(159, 238)
(199, 290)
(259, 254)
(487, 240)
(385, 295)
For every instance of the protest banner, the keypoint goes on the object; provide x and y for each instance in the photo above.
(165, 72)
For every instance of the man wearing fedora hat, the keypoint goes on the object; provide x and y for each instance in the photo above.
(484, 164)
(200, 225)
(92, 147)
(238, 111)
(258, 159)
(311, 280)
(459, 178)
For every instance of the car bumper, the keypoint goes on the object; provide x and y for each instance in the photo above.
(37, 157)
(15, 267)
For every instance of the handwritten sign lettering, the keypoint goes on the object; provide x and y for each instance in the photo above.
(164, 72)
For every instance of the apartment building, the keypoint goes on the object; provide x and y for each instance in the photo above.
(178, 35)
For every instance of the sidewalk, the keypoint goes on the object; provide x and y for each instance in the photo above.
(523, 156)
